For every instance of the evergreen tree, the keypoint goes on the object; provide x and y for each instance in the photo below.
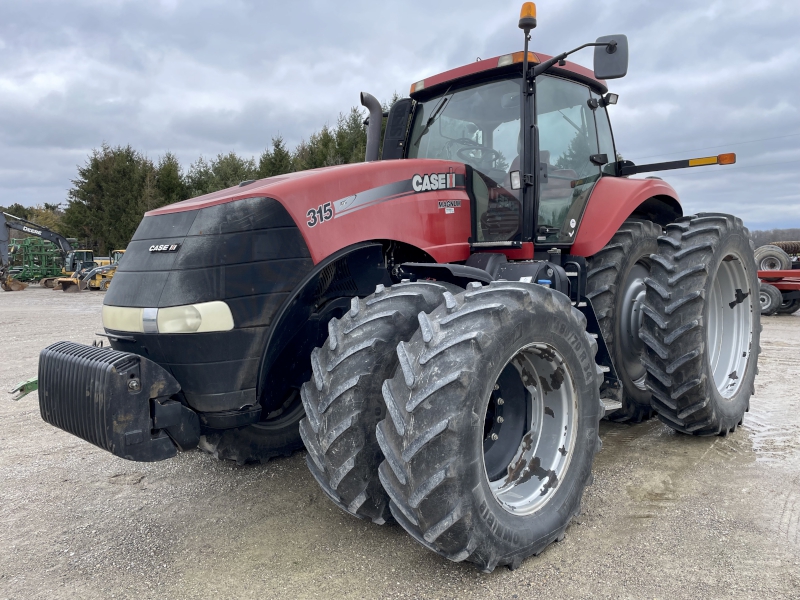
(224, 171)
(170, 180)
(109, 196)
(277, 161)
(16, 209)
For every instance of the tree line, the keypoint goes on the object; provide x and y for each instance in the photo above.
(118, 184)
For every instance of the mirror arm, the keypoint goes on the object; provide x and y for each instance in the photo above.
(542, 67)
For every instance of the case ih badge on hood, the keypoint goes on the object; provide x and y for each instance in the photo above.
(164, 247)
(434, 181)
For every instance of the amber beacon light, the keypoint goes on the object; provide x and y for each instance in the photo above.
(527, 16)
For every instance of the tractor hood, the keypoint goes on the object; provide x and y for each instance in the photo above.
(420, 202)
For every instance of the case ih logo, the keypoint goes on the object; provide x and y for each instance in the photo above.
(434, 181)
(164, 247)
(27, 229)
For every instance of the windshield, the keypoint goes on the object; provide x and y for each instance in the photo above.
(478, 126)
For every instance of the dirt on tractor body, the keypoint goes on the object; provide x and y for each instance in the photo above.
(668, 515)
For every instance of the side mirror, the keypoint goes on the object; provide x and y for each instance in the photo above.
(611, 59)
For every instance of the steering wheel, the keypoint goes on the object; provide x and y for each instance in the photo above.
(477, 153)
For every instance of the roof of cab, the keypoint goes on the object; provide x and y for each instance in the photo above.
(569, 70)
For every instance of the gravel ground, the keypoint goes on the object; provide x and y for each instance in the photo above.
(669, 516)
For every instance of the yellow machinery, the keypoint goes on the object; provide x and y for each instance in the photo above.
(94, 275)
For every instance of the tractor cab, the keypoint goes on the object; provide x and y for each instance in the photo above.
(76, 258)
(525, 188)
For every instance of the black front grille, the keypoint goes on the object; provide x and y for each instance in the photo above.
(104, 397)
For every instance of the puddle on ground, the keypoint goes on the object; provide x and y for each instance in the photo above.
(773, 425)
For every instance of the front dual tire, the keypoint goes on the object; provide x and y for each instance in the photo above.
(484, 422)
(459, 484)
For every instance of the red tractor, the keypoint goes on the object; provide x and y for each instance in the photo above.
(443, 327)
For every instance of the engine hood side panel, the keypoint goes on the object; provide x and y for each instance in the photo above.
(336, 207)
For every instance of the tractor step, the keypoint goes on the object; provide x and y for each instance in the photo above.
(611, 405)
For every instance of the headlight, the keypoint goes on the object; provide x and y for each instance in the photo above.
(191, 318)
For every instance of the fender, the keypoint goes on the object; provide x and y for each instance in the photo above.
(301, 323)
(613, 200)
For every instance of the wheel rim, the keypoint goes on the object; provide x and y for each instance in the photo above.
(291, 410)
(764, 300)
(729, 331)
(630, 320)
(769, 263)
(530, 429)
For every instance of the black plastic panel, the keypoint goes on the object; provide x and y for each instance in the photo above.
(243, 215)
(140, 289)
(171, 225)
(248, 253)
(196, 348)
(216, 378)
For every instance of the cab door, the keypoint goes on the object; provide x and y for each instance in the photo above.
(567, 134)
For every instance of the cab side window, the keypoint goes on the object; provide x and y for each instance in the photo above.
(605, 139)
(567, 138)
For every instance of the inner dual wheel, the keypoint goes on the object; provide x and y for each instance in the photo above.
(616, 286)
(483, 417)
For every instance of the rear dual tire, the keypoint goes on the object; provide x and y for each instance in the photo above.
(770, 299)
(702, 324)
(789, 307)
(771, 258)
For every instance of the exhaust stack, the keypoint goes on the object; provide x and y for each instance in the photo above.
(375, 121)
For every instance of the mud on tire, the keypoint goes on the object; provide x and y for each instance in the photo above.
(343, 399)
(441, 403)
(615, 285)
(702, 324)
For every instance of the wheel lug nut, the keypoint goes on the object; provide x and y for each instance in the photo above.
(496, 387)
(500, 401)
(499, 419)
(494, 437)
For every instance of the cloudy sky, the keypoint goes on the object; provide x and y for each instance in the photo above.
(209, 76)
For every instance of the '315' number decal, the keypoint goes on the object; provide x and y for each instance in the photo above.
(319, 215)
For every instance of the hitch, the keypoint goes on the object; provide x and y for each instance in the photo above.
(21, 390)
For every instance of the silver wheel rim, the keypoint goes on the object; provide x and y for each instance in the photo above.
(763, 298)
(544, 452)
(729, 331)
(630, 320)
(769, 263)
